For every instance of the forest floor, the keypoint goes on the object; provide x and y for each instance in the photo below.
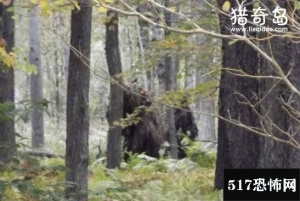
(33, 179)
(43, 179)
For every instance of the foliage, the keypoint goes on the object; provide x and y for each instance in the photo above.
(175, 98)
(6, 111)
(199, 156)
(22, 62)
(26, 106)
(143, 178)
(7, 58)
(11, 60)
(133, 160)
(131, 119)
(155, 180)
(25, 178)
(50, 7)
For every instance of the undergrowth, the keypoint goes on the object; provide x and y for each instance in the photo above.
(28, 179)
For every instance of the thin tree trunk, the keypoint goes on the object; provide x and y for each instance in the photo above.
(7, 129)
(36, 81)
(77, 143)
(189, 78)
(144, 40)
(207, 126)
(206, 105)
(61, 58)
(158, 71)
(171, 63)
(115, 111)
(171, 86)
(57, 87)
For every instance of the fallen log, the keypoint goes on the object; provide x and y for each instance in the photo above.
(42, 154)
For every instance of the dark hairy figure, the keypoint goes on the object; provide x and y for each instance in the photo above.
(185, 126)
(148, 134)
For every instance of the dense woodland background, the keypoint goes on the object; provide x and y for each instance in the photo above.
(86, 86)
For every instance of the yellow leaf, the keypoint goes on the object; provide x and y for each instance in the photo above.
(34, 1)
(76, 5)
(102, 9)
(173, 8)
(226, 6)
(109, 1)
(9, 60)
(44, 4)
(232, 42)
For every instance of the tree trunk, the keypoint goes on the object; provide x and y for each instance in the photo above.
(7, 129)
(77, 143)
(57, 89)
(280, 99)
(115, 111)
(144, 40)
(171, 72)
(36, 81)
(206, 104)
(171, 86)
(159, 70)
(237, 147)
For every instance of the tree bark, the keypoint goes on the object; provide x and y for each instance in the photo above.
(171, 73)
(77, 143)
(144, 40)
(237, 147)
(170, 86)
(7, 129)
(280, 99)
(115, 111)
(206, 104)
(36, 81)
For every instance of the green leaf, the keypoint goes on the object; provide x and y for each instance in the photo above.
(297, 5)
(22, 187)
(10, 9)
(3, 185)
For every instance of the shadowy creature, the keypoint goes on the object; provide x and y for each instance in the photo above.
(185, 126)
(147, 135)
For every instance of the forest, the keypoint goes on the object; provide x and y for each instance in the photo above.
(122, 100)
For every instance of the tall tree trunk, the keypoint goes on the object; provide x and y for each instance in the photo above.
(36, 81)
(171, 63)
(115, 111)
(144, 40)
(7, 129)
(280, 99)
(57, 88)
(61, 62)
(237, 147)
(171, 86)
(158, 71)
(77, 143)
(206, 104)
